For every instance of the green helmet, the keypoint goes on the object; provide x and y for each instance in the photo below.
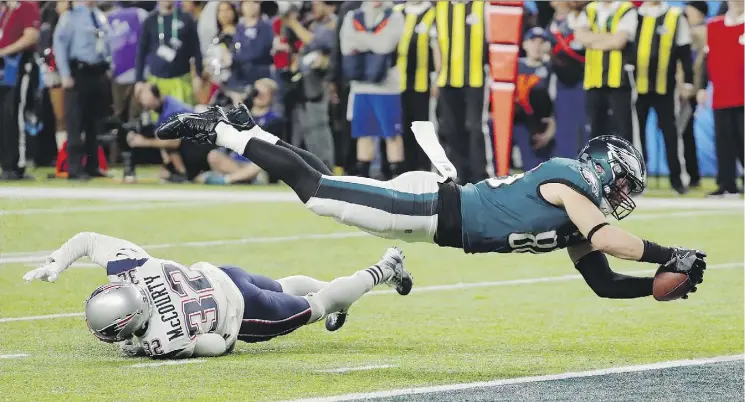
(621, 170)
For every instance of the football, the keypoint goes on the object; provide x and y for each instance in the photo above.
(669, 286)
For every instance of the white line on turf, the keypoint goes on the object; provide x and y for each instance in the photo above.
(36, 256)
(527, 281)
(361, 368)
(523, 380)
(41, 317)
(14, 356)
(123, 194)
(426, 289)
(104, 208)
(167, 363)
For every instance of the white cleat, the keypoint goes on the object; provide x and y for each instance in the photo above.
(402, 280)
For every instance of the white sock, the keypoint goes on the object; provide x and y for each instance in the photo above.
(229, 137)
(301, 285)
(259, 133)
(342, 292)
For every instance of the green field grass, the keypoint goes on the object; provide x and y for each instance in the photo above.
(496, 330)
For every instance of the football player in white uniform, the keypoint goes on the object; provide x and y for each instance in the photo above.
(163, 309)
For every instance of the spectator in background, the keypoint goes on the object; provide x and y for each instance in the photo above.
(218, 57)
(184, 160)
(461, 33)
(227, 24)
(195, 9)
(369, 36)
(81, 50)
(416, 62)
(696, 13)
(726, 67)
(607, 29)
(207, 29)
(168, 43)
(663, 40)
(535, 126)
(125, 25)
(251, 52)
(344, 145)
(261, 101)
(568, 65)
(19, 33)
(50, 14)
(310, 116)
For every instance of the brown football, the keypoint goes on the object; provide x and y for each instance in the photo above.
(669, 286)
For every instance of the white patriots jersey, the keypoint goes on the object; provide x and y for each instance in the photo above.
(186, 302)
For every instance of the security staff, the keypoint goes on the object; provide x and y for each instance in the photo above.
(416, 63)
(82, 53)
(663, 40)
(461, 34)
(19, 33)
(607, 29)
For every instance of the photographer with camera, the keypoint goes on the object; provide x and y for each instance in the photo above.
(185, 160)
(306, 89)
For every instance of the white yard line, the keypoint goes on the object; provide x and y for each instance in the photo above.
(14, 356)
(529, 281)
(36, 256)
(361, 368)
(105, 208)
(429, 289)
(123, 194)
(167, 363)
(41, 317)
(523, 380)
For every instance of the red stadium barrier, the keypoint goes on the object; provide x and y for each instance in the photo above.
(505, 29)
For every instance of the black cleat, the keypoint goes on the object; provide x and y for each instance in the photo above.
(240, 118)
(336, 320)
(197, 127)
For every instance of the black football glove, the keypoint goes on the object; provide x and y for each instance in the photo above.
(689, 262)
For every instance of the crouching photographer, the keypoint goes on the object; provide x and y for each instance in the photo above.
(183, 160)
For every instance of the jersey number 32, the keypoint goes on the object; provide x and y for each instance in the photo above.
(200, 307)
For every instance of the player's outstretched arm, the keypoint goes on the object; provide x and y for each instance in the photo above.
(99, 248)
(609, 239)
(619, 243)
(595, 269)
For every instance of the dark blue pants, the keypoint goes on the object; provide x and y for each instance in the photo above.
(268, 312)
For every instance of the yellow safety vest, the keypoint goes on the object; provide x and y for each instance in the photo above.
(655, 65)
(414, 53)
(605, 68)
(461, 35)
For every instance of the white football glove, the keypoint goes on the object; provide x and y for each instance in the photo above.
(49, 272)
(132, 348)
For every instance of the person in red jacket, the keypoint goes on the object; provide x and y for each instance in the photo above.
(725, 68)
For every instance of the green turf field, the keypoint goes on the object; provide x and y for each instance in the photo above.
(514, 315)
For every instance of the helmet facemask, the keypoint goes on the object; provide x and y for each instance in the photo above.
(627, 182)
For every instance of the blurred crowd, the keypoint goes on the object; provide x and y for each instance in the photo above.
(88, 81)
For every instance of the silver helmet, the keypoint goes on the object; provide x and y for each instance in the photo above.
(116, 311)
